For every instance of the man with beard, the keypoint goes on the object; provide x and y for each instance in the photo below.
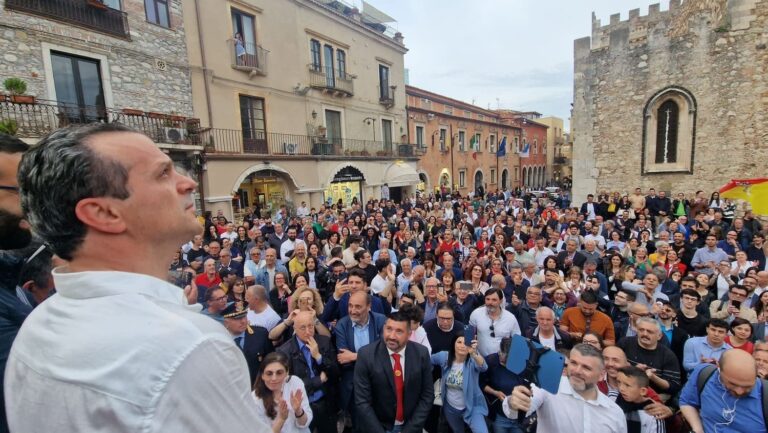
(658, 361)
(578, 405)
(14, 235)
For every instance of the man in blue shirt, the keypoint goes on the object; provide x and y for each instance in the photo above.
(731, 399)
(708, 349)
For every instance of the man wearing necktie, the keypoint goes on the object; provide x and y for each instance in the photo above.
(313, 359)
(253, 341)
(393, 381)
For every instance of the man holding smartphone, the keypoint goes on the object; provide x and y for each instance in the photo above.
(735, 307)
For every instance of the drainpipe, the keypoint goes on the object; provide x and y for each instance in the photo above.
(207, 98)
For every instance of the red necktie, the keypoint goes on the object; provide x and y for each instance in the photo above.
(398, 387)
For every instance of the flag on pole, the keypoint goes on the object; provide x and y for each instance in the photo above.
(525, 151)
(473, 144)
(502, 148)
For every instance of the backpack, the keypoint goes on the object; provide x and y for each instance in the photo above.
(706, 373)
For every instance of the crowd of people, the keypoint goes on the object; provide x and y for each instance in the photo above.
(375, 316)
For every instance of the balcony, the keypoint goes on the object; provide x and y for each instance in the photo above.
(90, 14)
(251, 58)
(243, 142)
(387, 96)
(39, 119)
(330, 80)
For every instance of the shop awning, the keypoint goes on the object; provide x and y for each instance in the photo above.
(401, 174)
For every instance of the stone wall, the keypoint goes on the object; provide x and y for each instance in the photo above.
(720, 57)
(134, 78)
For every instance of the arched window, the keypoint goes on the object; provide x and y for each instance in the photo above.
(669, 132)
(666, 132)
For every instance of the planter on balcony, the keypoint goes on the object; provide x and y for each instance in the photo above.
(22, 99)
(132, 112)
(175, 118)
(156, 115)
(98, 4)
(381, 153)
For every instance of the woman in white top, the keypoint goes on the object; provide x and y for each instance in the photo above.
(281, 400)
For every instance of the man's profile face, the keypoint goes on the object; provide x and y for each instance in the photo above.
(14, 230)
(153, 183)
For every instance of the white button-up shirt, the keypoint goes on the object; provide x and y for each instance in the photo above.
(568, 412)
(123, 352)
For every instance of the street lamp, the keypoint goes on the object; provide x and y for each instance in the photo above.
(371, 121)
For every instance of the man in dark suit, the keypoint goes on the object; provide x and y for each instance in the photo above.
(589, 208)
(570, 257)
(253, 341)
(358, 328)
(393, 381)
(313, 359)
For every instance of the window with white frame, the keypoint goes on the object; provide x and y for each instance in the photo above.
(462, 178)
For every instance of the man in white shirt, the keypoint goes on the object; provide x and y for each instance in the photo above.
(302, 210)
(260, 312)
(578, 405)
(493, 323)
(127, 350)
(288, 245)
(540, 252)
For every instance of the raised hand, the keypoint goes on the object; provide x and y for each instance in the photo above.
(296, 398)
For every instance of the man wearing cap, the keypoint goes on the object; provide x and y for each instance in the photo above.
(253, 341)
(313, 359)
(510, 260)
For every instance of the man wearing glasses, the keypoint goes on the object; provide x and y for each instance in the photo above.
(688, 318)
(492, 323)
(737, 306)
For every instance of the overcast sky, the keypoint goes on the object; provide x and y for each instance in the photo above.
(516, 52)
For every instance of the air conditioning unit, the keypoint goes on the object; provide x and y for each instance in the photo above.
(290, 148)
(174, 135)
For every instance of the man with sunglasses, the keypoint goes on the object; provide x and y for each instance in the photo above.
(492, 323)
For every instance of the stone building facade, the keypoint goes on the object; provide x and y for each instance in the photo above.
(141, 64)
(676, 100)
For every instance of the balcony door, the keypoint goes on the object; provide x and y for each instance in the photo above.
(333, 127)
(79, 92)
(330, 79)
(244, 25)
(386, 134)
(253, 124)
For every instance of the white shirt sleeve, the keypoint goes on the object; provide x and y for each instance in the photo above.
(201, 390)
(539, 397)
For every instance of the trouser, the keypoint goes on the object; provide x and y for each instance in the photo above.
(455, 419)
(502, 424)
(323, 417)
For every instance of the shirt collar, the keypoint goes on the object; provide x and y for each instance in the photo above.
(401, 352)
(362, 325)
(96, 284)
(602, 399)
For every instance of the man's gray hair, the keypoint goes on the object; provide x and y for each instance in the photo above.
(259, 292)
(589, 350)
(650, 321)
(544, 309)
(61, 171)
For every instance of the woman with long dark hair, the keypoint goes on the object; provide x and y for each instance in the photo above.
(464, 404)
(281, 400)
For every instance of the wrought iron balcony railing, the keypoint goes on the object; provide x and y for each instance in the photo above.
(91, 14)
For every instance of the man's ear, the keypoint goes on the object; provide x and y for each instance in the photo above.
(101, 214)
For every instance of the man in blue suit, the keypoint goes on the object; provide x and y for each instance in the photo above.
(354, 331)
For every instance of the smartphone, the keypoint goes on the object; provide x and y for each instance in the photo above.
(736, 304)
(466, 285)
(441, 289)
(469, 335)
(343, 275)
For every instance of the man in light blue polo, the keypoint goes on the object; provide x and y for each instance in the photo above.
(707, 349)
(705, 259)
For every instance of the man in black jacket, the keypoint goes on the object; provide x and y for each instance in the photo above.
(313, 359)
(390, 395)
(253, 341)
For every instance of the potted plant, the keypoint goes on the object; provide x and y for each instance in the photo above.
(17, 87)
(98, 4)
(9, 126)
(132, 112)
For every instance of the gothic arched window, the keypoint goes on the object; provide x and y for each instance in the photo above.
(669, 127)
